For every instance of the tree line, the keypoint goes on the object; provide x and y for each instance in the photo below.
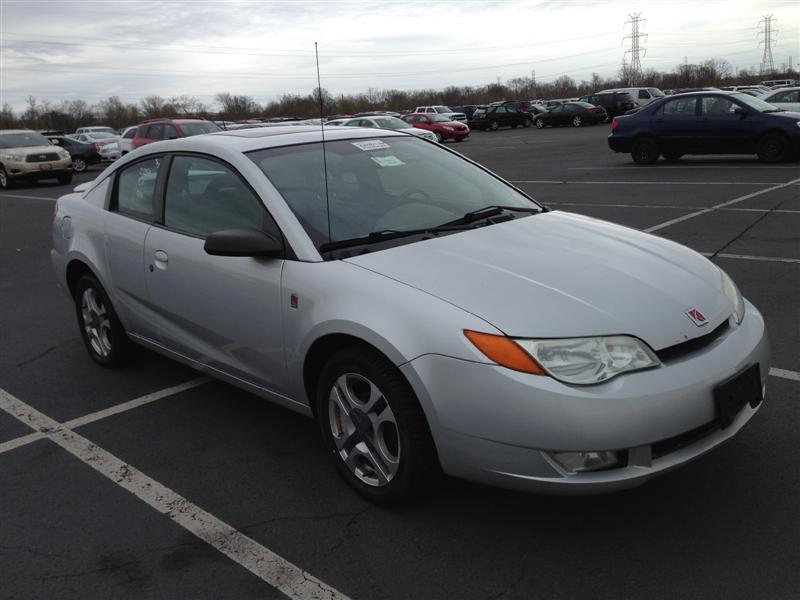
(68, 115)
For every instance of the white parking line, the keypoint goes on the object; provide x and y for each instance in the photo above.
(552, 181)
(718, 206)
(669, 206)
(259, 560)
(27, 197)
(785, 374)
(686, 165)
(749, 257)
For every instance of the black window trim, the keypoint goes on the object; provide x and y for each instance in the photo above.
(288, 251)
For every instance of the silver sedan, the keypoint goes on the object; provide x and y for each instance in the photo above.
(430, 316)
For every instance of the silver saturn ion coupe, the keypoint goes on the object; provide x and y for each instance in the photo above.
(430, 316)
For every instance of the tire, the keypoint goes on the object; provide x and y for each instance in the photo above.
(439, 137)
(103, 335)
(374, 427)
(644, 151)
(539, 122)
(772, 148)
(65, 179)
(494, 125)
(673, 156)
(526, 123)
(79, 165)
(6, 182)
(577, 121)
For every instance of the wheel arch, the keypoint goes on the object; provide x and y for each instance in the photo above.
(77, 268)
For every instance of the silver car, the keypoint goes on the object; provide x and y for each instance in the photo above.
(430, 316)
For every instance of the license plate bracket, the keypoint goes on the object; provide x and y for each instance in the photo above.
(733, 394)
(46, 167)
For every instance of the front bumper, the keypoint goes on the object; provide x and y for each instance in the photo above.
(19, 171)
(497, 426)
(451, 135)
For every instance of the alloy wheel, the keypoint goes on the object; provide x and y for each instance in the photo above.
(539, 123)
(364, 429)
(78, 165)
(96, 322)
(577, 121)
(3, 179)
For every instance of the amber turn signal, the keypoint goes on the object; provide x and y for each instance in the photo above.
(504, 351)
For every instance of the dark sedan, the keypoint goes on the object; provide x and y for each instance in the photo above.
(576, 114)
(82, 154)
(707, 123)
(501, 114)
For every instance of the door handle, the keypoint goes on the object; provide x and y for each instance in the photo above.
(160, 259)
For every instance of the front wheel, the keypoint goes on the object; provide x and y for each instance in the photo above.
(772, 148)
(78, 165)
(644, 151)
(577, 121)
(103, 335)
(439, 137)
(374, 427)
(494, 125)
(539, 122)
(5, 180)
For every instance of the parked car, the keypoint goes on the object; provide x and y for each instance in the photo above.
(442, 126)
(641, 95)
(96, 129)
(497, 115)
(126, 139)
(707, 123)
(386, 122)
(787, 98)
(614, 103)
(28, 156)
(170, 129)
(744, 88)
(106, 144)
(773, 83)
(576, 114)
(428, 315)
(81, 153)
(441, 110)
(468, 110)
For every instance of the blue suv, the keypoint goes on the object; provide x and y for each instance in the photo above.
(707, 123)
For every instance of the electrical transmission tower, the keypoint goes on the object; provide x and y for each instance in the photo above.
(636, 50)
(769, 22)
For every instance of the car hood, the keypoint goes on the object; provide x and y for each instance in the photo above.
(28, 150)
(558, 274)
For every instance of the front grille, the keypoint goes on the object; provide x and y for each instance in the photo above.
(44, 157)
(684, 348)
(677, 442)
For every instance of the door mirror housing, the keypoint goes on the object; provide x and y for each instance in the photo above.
(740, 110)
(243, 242)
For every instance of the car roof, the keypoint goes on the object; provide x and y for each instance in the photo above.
(17, 131)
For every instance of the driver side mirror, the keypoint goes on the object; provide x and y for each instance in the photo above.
(243, 242)
(740, 110)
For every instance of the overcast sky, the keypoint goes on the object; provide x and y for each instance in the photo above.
(65, 49)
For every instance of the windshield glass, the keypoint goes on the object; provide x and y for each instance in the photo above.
(190, 129)
(442, 109)
(24, 139)
(376, 184)
(655, 92)
(754, 103)
(392, 123)
(441, 119)
(100, 135)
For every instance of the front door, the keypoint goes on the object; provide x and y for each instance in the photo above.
(223, 312)
(675, 125)
(721, 130)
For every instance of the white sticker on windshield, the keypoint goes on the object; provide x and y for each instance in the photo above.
(387, 161)
(369, 145)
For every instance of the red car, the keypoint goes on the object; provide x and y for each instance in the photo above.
(170, 129)
(443, 127)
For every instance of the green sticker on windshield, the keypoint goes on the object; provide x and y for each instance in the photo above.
(387, 161)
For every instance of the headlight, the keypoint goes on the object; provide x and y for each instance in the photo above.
(584, 361)
(63, 154)
(447, 128)
(734, 295)
(14, 157)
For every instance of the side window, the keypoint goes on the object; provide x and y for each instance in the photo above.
(790, 96)
(136, 188)
(170, 133)
(680, 107)
(129, 134)
(717, 106)
(570, 108)
(155, 131)
(557, 108)
(644, 95)
(204, 196)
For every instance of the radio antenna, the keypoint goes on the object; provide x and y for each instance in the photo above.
(324, 157)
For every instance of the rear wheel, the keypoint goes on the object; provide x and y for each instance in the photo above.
(439, 137)
(539, 122)
(772, 148)
(644, 151)
(374, 427)
(5, 180)
(493, 125)
(101, 330)
(577, 121)
(78, 165)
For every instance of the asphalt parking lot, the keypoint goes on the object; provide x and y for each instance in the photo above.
(230, 492)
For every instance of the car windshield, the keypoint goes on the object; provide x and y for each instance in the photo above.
(100, 135)
(442, 109)
(190, 129)
(391, 123)
(380, 184)
(441, 119)
(23, 139)
(755, 103)
(655, 92)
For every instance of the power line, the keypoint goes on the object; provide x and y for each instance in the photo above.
(634, 71)
(767, 65)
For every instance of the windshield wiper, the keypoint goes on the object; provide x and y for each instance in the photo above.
(385, 235)
(772, 110)
(491, 211)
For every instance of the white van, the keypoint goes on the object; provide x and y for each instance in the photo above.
(641, 95)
